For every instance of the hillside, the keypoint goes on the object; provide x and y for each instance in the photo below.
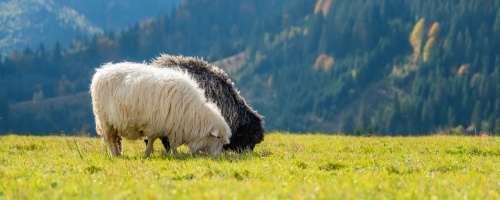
(43, 117)
(396, 67)
(393, 67)
(33, 22)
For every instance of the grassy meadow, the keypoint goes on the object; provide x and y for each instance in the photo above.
(284, 166)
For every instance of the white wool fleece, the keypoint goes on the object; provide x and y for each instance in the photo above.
(134, 100)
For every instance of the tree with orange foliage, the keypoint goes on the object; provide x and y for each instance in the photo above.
(427, 49)
(463, 69)
(323, 6)
(432, 35)
(325, 62)
(434, 31)
(416, 38)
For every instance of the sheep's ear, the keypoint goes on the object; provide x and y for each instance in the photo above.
(214, 133)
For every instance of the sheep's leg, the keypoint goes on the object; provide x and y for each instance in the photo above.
(146, 142)
(193, 148)
(173, 150)
(149, 147)
(119, 142)
(113, 140)
(166, 143)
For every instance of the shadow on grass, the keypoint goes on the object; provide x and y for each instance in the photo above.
(230, 156)
(473, 151)
(225, 156)
(447, 168)
(332, 166)
(401, 170)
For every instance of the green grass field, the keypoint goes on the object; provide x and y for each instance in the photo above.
(284, 166)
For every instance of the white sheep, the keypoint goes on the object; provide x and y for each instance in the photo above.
(133, 100)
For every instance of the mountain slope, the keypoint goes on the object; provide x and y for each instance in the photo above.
(355, 66)
(32, 22)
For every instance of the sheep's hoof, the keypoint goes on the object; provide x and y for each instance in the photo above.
(146, 154)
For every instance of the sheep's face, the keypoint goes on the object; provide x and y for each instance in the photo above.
(247, 135)
(212, 143)
(216, 141)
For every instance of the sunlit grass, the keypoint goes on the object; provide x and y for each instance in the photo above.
(286, 166)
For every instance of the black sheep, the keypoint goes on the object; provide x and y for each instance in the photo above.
(245, 123)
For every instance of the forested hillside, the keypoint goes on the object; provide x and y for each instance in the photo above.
(397, 67)
(31, 22)
(393, 67)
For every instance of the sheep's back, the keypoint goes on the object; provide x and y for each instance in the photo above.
(138, 100)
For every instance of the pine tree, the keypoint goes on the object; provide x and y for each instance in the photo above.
(476, 113)
(4, 112)
(451, 117)
(497, 127)
(57, 52)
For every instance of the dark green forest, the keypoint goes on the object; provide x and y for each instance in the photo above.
(389, 67)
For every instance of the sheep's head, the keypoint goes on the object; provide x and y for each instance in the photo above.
(247, 134)
(213, 141)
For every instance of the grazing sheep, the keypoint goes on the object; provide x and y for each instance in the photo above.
(134, 100)
(245, 123)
